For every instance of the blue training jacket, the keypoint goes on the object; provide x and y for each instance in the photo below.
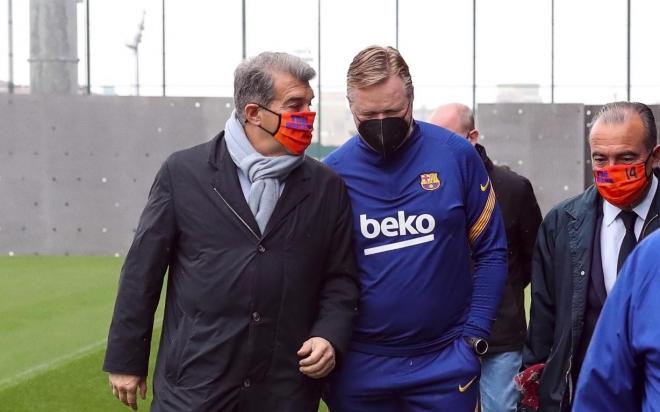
(621, 371)
(419, 219)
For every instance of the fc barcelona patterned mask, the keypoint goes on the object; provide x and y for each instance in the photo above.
(294, 130)
(622, 184)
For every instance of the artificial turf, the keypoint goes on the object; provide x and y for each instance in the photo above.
(55, 312)
(54, 318)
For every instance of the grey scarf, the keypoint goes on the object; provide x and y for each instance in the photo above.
(265, 173)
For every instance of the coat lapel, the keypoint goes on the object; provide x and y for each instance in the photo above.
(296, 189)
(581, 227)
(597, 276)
(225, 181)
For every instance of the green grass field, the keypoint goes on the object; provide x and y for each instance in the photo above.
(54, 318)
(55, 313)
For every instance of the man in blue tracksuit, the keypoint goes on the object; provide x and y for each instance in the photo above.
(621, 371)
(430, 246)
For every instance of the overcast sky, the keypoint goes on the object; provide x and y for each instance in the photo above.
(435, 36)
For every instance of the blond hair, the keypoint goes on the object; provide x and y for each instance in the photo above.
(375, 65)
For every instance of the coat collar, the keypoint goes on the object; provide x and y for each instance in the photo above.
(585, 204)
(590, 200)
(581, 226)
(484, 157)
(296, 188)
(583, 230)
(225, 180)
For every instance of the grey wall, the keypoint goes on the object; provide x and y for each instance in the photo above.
(53, 46)
(547, 143)
(75, 171)
(543, 142)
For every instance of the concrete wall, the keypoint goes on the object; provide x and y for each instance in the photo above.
(543, 142)
(75, 171)
(547, 143)
(53, 46)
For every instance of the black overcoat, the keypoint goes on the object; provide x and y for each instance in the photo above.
(239, 304)
(522, 218)
(561, 267)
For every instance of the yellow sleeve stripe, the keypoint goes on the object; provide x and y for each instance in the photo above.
(484, 219)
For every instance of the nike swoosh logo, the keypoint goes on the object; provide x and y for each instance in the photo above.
(465, 387)
(484, 187)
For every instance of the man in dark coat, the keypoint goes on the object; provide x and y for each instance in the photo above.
(583, 242)
(522, 218)
(256, 239)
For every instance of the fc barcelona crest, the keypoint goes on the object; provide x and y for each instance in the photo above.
(430, 181)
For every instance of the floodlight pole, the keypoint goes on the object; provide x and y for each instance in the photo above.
(137, 72)
(319, 100)
(474, 55)
(628, 53)
(88, 49)
(163, 47)
(135, 46)
(243, 30)
(10, 25)
(552, 51)
(396, 12)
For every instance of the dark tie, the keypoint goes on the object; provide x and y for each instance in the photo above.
(629, 241)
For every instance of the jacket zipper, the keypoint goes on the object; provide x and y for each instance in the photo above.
(237, 215)
(646, 226)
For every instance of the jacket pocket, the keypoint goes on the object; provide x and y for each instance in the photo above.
(176, 349)
(554, 381)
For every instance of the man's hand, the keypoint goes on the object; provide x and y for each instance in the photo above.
(318, 358)
(125, 387)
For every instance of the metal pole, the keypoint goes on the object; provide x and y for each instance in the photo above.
(88, 49)
(163, 47)
(137, 72)
(319, 100)
(10, 24)
(397, 24)
(135, 46)
(244, 33)
(552, 52)
(628, 56)
(474, 55)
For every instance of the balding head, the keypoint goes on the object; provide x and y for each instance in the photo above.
(458, 118)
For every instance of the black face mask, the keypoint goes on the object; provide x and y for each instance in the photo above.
(384, 136)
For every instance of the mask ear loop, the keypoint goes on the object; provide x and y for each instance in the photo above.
(409, 131)
(279, 120)
(646, 167)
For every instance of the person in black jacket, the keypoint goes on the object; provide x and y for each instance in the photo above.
(522, 218)
(256, 238)
(583, 242)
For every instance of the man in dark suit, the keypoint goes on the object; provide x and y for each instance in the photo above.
(584, 241)
(256, 237)
(522, 218)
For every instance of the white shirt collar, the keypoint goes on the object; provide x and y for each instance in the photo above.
(610, 212)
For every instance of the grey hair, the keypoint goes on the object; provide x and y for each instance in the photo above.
(253, 80)
(618, 112)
